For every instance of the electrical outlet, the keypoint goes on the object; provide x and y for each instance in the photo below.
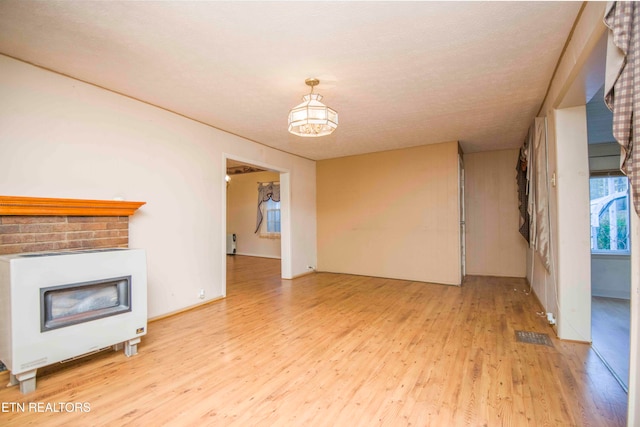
(201, 294)
(551, 319)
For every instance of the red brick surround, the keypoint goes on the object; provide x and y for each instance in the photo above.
(35, 224)
(46, 233)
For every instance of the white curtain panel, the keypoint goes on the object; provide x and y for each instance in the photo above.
(538, 206)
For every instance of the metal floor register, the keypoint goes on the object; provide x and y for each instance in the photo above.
(533, 338)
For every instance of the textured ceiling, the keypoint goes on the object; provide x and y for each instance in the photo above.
(399, 74)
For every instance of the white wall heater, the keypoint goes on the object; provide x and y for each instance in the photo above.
(56, 306)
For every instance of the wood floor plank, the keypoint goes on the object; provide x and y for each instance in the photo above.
(333, 349)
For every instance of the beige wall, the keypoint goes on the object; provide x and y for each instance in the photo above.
(242, 202)
(391, 214)
(60, 137)
(494, 245)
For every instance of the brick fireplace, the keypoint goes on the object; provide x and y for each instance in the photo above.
(54, 233)
(67, 273)
(34, 224)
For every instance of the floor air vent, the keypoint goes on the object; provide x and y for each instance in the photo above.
(533, 338)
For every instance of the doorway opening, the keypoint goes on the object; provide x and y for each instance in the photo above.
(586, 125)
(255, 231)
(610, 243)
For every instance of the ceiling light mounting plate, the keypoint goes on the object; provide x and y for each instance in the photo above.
(312, 82)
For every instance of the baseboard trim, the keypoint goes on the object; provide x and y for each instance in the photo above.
(256, 256)
(307, 273)
(183, 310)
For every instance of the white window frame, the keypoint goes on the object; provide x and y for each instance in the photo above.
(264, 227)
(612, 252)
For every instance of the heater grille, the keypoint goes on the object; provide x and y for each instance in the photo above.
(533, 338)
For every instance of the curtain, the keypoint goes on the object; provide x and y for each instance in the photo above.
(266, 191)
(534, 151)
(622, 86)
(523, 189)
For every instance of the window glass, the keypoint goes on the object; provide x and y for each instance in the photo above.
(272, 210)
(609, 214)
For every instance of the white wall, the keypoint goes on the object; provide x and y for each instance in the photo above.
(633, 415)
(60, 137)
(573, 238)
(611, 276)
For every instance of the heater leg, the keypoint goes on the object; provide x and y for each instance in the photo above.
(27, 381)
(13, 380)
(118, 347)
(131, 347)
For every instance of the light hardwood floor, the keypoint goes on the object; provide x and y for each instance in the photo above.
(338, 350)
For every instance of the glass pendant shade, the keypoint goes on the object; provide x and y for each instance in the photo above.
(312, 118)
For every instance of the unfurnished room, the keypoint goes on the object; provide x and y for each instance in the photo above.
(319, 213)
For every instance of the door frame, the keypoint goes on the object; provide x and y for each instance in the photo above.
(463, 226)
(285, 216)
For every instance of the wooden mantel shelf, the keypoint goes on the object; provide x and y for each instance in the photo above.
(42, 206)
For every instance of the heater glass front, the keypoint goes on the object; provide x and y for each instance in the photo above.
(81, 302)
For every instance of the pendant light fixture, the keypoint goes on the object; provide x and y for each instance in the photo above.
(312, 118)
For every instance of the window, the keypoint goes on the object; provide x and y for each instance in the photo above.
(609, 214)
(272, 210)
(268, 217)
